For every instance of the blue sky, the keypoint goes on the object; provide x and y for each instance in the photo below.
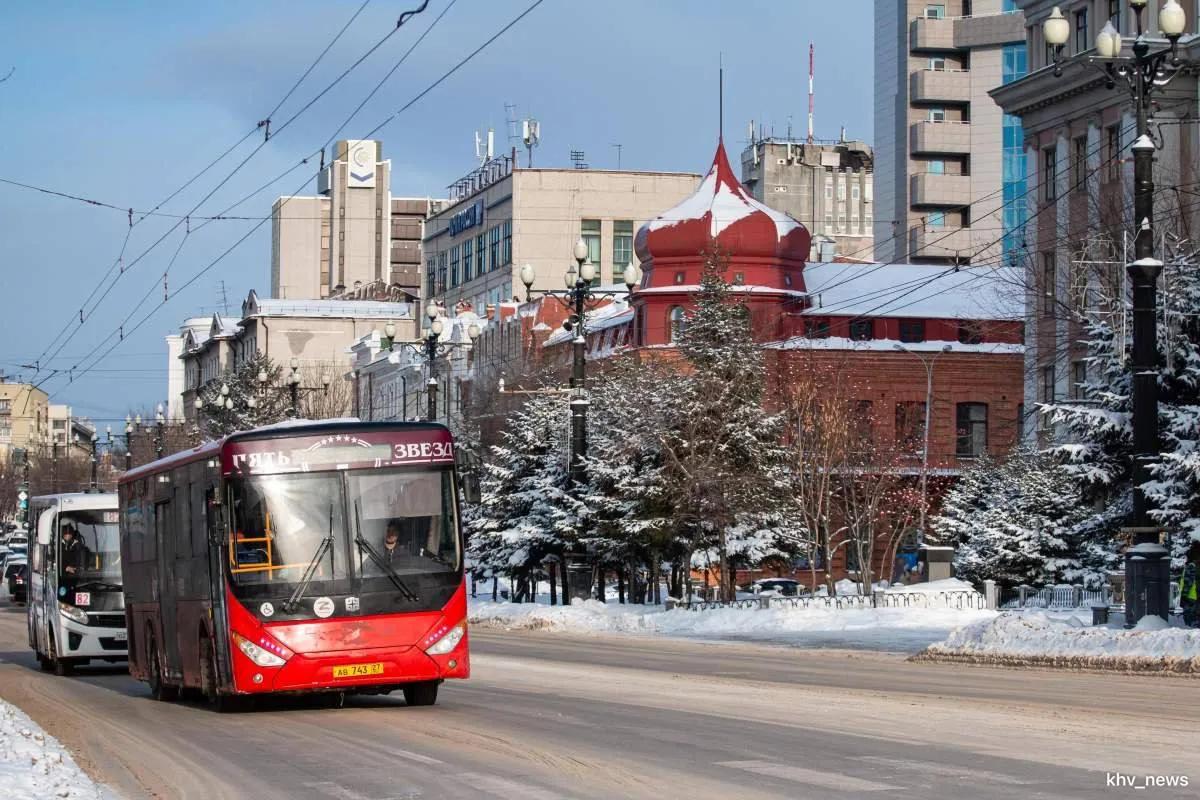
(123, 102)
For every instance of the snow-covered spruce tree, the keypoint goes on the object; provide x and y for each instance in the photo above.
(526, 511)
(722, 456)
(1099, 452)
(248, 402)
(1019, 523)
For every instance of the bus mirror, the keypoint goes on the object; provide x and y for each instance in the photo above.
(45, 527)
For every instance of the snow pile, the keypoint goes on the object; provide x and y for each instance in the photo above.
(903, 629)
(932, 587)
(33, 765)
(1039, 639)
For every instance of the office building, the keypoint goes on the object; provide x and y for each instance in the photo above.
(24, 417)
(949, 165)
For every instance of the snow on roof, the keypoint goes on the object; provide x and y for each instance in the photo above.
(375, 309)
(891, 345)
(692, 288)
(728, 202)
(603, 318)
(930, 291)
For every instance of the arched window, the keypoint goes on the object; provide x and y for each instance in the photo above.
(678, 321)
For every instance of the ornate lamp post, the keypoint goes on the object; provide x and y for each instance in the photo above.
(1147, 568)
(579, 291)
(159, 420)
(430, 347)
(128, 443)
(926, 362)
(94, 486)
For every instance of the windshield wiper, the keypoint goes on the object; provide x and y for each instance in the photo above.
(311, 570)
(103, 586)
(387, 568)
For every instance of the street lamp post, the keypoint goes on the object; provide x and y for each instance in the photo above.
(128, 443)
(95, 484)
(1147, 568)
(430, 347)
(159, 420)
(578, 279)
(927, 362)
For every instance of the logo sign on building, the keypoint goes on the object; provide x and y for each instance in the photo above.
(362, 158)
(469, 217)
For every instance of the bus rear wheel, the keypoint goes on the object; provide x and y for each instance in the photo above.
(158, 689)
(421, 694)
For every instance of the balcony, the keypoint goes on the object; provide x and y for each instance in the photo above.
(989, 30)
(940, 138)
(931, 35)
(934, 243)
(940, 86)
(932, 189)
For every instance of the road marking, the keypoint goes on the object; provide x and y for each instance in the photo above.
(502, 787)
(411, 756)
(946, 770)
(828, 780)
(331, 789)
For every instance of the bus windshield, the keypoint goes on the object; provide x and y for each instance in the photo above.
(90, 546)
(280, 523)
(407, 518)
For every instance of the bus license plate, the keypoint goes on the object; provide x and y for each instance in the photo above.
(358, 670)
(119, 636)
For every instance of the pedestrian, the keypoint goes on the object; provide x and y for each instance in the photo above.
(1187, 595)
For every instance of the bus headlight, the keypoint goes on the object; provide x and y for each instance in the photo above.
(73, 613)
(259, 655)
(449, 640)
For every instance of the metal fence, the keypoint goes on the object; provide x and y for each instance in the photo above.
(958, 599)
(1068, 597)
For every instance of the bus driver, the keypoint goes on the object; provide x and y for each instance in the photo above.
(74, 554)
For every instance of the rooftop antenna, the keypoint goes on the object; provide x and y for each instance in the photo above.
(531, 134)
(481, 154)
(811, 59)
(618, 146)
(577, 156)
(721, 97)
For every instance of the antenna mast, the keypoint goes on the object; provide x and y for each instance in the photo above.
(721, 97)
(531, 134)
(810, 93)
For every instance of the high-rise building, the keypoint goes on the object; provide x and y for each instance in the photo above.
(825, 185)
(352, 232)
(949, 164)
(24, 417)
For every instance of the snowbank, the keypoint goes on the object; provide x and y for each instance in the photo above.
(1039, 639)
(33, 765)
(932, 587)
(888, 629)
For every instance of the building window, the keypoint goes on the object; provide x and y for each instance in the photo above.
(970, 332)
(622, 246)
(1114, 14)
(816, 328)
(1049, 174)
(441, 273)
(910, 425)
(937, 167)
(677, 322)
(481, 265)
(1113, 135)
(1049, 290)
(507, 233)
(680, 277)
(589, 231)
(935, 11)
(937, 115)
(1081, 31)
(468, 257)
(912, 330)
(1078, 379)
(494, 248)
(430, 276)
(936, 220)
(1048, 384)
(970, 430)
(862, 330)
(863, 416)
(739, 279)
(1079, 161)
(454, 255)
(937, 63)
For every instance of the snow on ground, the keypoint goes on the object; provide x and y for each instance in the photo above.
(34, 766)
(885, 629)
(1043, 639)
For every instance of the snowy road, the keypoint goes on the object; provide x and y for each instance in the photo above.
(549, 715)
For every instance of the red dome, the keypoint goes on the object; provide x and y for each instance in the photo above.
(721, 209)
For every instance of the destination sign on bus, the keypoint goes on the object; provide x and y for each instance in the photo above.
(339, 451)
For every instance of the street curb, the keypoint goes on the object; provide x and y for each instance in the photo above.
(1133, 665)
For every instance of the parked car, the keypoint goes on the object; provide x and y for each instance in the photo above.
(777, 587)
(16, 574)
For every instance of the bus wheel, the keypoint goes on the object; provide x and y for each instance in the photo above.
(421, 694)
(158, 689)
(60, 666)
(221, 703)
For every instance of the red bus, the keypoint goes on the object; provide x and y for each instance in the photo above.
(306, 557)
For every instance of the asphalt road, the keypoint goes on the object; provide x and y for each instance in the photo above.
(553, 716)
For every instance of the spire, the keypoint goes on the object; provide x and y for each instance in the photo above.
(721, 98)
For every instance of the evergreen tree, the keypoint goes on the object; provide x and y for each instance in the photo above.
(238, 399)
